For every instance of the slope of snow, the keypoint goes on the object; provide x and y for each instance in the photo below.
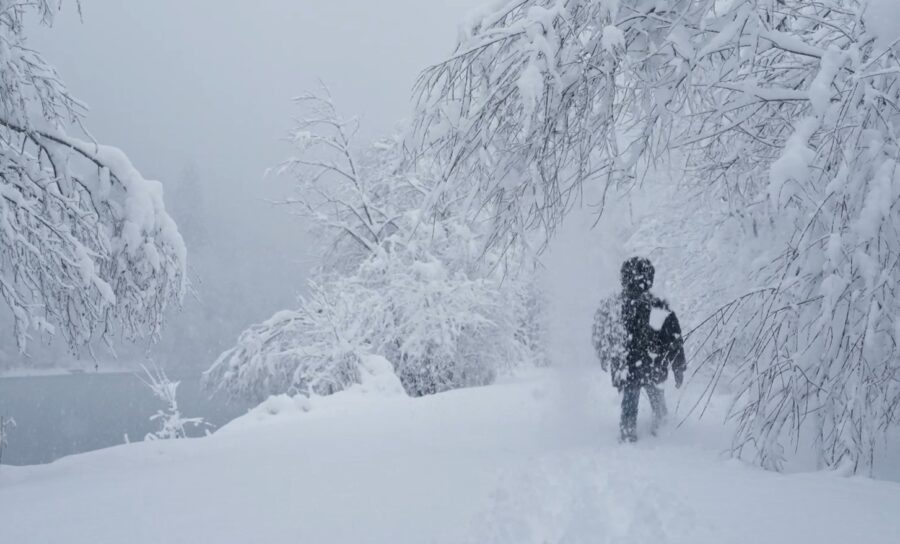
(533, 460)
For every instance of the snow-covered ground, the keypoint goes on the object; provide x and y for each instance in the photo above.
(531, 460)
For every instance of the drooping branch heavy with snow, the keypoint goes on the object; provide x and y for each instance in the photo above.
(542, 96)
(86, 246)
(800, 125)
(782, 114)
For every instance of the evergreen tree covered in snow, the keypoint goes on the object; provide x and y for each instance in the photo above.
(783, 114)
(86, 245)
(398, 279)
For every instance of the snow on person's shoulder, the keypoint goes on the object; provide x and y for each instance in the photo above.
(658, 317)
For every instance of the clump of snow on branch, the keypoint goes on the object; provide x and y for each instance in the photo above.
(171, 423)
(398, 280)
(86, 245)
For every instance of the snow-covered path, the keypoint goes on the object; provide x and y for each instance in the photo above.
(534, 460)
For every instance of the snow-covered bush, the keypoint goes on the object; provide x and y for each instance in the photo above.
(781, 115)
(171, 423)
(449, 324)
(6, 426)
(301, 351)
(86, 245)
(417, 287)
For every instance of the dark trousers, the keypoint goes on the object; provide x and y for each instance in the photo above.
(631, 395)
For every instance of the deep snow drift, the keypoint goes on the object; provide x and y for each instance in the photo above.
(531, 460)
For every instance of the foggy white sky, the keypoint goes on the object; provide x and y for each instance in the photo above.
(210, 82)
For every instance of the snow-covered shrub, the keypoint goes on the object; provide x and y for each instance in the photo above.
(398, 280)
(304, 351)
(446, 323)
(171, 423)
(86, 245)
(781, 116)
(6, 426)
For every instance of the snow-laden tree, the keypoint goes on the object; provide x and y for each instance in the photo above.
(398, 279)
(542, 95)
(782, 114)
(86, 245)
(803, 132)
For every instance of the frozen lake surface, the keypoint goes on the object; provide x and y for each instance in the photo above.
(74, 413)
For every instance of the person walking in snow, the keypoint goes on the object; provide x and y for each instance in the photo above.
(637, 338)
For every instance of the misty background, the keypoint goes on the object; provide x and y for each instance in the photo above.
(199, 95)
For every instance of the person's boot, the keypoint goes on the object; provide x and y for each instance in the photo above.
(628, 421)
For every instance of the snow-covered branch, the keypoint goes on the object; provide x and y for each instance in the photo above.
(86, 245)
(782, 115)
(542, 95)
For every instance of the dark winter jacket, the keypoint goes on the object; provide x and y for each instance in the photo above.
(652, 341)
(636, 335)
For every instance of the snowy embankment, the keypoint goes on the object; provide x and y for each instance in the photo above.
(533, 460)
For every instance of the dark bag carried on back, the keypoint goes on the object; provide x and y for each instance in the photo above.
(667, 349)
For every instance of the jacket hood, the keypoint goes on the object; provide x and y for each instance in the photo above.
(637, 275)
